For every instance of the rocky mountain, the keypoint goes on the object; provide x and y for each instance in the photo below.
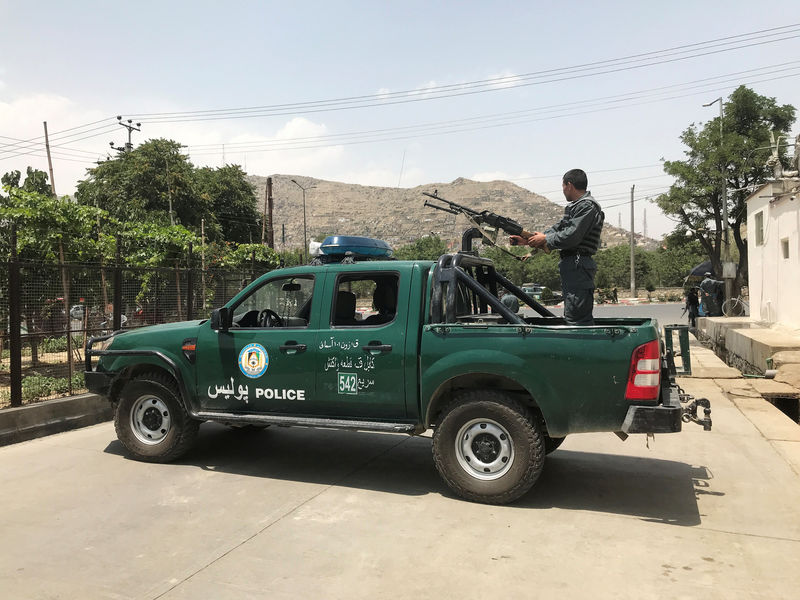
(398, 215)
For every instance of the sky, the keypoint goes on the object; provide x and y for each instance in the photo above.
(390, 93)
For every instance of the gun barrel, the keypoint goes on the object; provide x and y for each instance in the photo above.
(442, 208)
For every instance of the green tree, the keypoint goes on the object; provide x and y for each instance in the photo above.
(614, 267)
(144, 184)
(695, 199)
(251, 255)
(430, 247)
(234, 215)
(35, 181)
(538, 268)
(673, 262)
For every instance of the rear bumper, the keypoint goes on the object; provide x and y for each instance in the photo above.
(662, 418)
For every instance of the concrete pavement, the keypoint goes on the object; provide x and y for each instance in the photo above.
(299, 513)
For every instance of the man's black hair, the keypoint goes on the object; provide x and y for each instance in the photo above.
(577, 177)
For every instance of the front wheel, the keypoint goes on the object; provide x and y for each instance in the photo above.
(150, 420)
(488, 447)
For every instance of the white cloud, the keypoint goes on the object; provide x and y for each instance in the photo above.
(499, 175)
(505, 79)
(22, 119)
(288, 150)
(383, 177)
(425, 90)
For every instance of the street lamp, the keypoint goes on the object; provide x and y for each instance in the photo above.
(726, 250)
(305, 240)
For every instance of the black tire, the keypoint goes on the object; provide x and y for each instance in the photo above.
(551, 444)
(488, 447)
(150, 419)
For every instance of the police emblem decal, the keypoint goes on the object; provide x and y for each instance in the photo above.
(253, 360)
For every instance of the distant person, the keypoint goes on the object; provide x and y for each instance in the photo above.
(709, 295)
(692, 306)
(577, 237)
(614, 297)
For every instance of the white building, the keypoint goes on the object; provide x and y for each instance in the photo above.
(773, 252)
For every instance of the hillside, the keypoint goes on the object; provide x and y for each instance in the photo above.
(398, 215)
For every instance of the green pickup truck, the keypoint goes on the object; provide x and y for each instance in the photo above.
(436, 350)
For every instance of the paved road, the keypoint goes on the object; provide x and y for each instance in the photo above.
(298, 513)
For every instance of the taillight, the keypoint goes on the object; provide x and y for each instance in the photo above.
(644, 378)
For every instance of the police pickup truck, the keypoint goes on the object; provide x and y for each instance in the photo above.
(436, 350)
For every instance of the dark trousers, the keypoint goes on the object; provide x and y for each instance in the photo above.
(577, 283)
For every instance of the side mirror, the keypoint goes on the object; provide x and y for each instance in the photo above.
(221, 319)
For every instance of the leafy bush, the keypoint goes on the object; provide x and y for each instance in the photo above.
(35, 387)
(54, 344)
(59, 344)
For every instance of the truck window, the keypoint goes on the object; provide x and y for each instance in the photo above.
(284, 302)
(364, 300)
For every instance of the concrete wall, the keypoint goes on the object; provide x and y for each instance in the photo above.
(774, 279)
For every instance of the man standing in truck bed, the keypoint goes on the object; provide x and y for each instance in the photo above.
(577, 237)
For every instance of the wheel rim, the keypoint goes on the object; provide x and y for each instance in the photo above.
(484, 449)
(150, 419)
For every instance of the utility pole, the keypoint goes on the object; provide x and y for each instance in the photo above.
(169, 193)
(633, 245)
(728, 271)
(305, 239)
(49, 161)
(644, 222)
(131, 128)
(267, 234)
(270, 208)
(203, 261)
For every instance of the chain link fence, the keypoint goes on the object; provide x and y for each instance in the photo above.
(60, 307)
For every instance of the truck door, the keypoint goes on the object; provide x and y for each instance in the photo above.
(265, 361)
(361, 358)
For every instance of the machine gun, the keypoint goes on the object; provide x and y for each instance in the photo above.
(479, 218)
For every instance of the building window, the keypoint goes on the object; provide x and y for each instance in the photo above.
(760, 228)
(785, 247)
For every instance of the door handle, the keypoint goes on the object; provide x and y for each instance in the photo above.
(292, 347)
(376, 348)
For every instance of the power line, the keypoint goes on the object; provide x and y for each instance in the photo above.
(34, 147)
(288, 144)
(694, 84)
(535, 78)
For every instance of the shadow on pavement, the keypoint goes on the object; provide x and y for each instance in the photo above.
(662, 491)
(651, 489)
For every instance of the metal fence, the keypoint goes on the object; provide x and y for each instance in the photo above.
(49, 311)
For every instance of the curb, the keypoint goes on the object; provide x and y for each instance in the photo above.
(54, 416)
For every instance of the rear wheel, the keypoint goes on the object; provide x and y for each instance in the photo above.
(150, 420)
(488, 447)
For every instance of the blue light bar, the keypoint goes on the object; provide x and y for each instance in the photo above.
(359, 246)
